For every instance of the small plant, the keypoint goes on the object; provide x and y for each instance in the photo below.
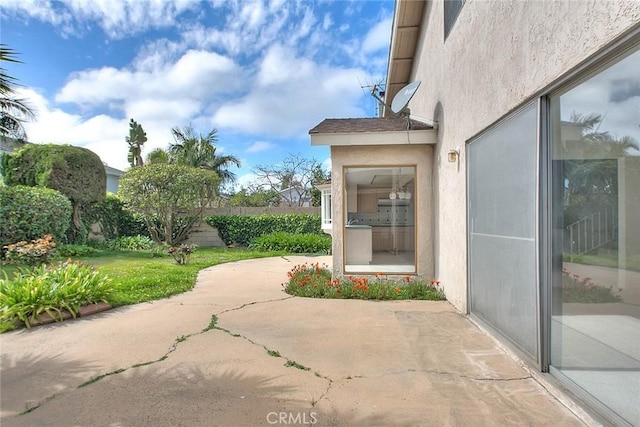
(38, 252)
(51, 289)
(583, 289)
(182, 253)
(294, 364)
(132, 243)
(313, 280)
(273, 353)
(66, 251)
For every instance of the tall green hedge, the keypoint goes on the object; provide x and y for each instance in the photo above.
(242, 230)
(115, 219)
(76, 172)
(28, 213)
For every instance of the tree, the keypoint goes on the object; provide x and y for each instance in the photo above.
(319, 177)
(198, 150)
(76, 172)
(255, 196)
(171, 198)
(157, 155)
(136, 139)
(293, 178)
(14, 111)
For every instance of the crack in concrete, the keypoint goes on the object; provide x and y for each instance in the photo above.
(254, 303)
(455, 374)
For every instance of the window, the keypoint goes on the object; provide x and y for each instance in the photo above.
(379, 234)
(452, 9)
(325, 206)
(502, 217)
(595, 186)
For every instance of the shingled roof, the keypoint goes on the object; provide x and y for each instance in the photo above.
(368, 125)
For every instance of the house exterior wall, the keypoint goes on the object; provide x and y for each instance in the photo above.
(498, 55)
(420, 156)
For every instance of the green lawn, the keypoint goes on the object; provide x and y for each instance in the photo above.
(137, 277)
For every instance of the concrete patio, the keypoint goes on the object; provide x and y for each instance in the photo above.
(369, 363)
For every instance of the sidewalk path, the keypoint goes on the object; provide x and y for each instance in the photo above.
(167, 364)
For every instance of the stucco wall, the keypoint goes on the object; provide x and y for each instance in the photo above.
(498, 55)
(420, 156)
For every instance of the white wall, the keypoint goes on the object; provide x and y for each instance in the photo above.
(499, 54)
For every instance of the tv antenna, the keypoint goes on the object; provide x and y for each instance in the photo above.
(401, 100)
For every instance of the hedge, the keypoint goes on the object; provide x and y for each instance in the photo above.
(242, 230)
(293, 242)
(28, 213)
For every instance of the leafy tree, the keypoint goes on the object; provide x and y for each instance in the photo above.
(157, 155)
(319, 177)
(76, 172)
(13, 111)
(198, 150)
(136, 139)
(255, 196)
(295, 175)
(170, 197)
(591, 179)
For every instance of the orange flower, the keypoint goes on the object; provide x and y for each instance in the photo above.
(397, 289)
(407, 278)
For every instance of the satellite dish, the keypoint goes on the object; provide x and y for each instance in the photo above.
(403, 97)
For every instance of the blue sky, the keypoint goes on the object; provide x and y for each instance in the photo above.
(262, 72)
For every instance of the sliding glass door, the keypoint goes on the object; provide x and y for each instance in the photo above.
(595, 168)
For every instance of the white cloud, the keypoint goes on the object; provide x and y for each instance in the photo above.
(291, 95)
(116, 18)
(378, 38)
(259, 146)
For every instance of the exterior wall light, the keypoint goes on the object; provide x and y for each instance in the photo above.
(453, 155)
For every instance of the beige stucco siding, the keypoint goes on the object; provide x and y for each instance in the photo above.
(498, 55)
(420, 156)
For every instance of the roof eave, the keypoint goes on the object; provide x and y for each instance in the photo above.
(405, 33)
(410, 137)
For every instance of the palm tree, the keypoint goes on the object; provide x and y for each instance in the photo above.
(13, 111)
(157, 155)
(199, 151)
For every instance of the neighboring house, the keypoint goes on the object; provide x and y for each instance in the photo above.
(295, 196)
(113, 178)
(515, 181)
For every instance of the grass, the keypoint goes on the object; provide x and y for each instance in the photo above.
(604, 258)
(137, 277)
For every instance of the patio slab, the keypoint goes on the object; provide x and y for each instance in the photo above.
(369, 363)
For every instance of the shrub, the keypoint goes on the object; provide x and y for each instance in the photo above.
(181, 254)
(27, 213)
(243, 229)
(313, 280)
(65, 286)
(132, 243)
(69, 251)
(38, 252)
(293, 243)
(584, 290)
(115, 219)
(76, 172)
(171, 198)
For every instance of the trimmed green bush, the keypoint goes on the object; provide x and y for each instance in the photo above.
(242, 230)
(294, 243)
(76, 172)
(28, 213)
